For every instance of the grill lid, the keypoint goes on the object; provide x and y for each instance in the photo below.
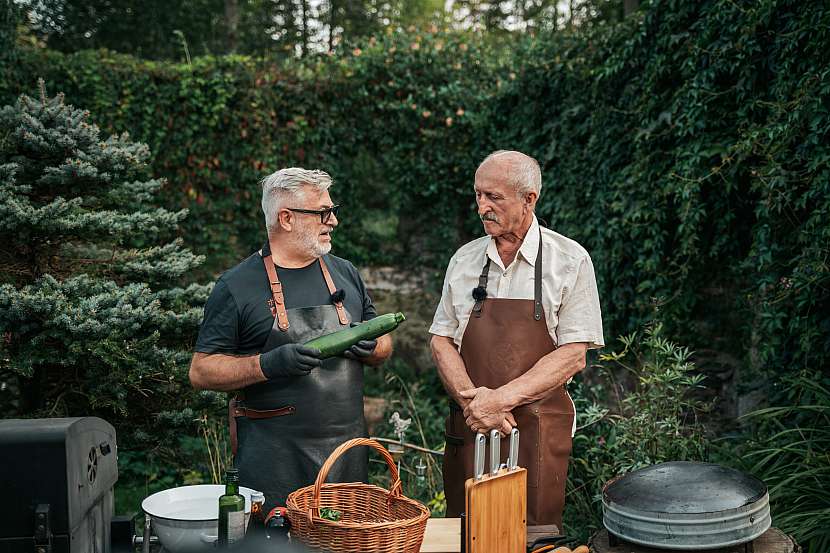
(686, 506)
(68, 463)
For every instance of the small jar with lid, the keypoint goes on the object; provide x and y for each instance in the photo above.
(256, 522)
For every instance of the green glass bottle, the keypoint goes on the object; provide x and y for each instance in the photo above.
(231, 511)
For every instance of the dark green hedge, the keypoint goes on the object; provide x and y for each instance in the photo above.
(686, 148)
(393, 122)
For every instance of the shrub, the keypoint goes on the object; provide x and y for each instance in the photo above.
(644, 411)
(92, 318)
(687, 149)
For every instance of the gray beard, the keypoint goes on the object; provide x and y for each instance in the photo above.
(311, 244)
(321, 249)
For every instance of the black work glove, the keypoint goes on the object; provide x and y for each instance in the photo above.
(289, 360)
(360, 350)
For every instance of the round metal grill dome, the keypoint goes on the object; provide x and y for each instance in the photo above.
(686, 506)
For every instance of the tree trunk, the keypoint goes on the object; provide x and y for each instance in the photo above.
(8, 31)
(630, 6)
(332, 23)
(304, 30)
(231, 25)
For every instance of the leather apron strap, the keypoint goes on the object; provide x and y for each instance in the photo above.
(480, 293)
(277, 302)
(237, 409)
(341, 311)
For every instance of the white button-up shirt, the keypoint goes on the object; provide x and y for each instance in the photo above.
(569, 288)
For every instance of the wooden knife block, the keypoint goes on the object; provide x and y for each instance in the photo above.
(496, 512)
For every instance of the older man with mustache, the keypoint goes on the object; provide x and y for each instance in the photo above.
(518, 311)
(291, 409)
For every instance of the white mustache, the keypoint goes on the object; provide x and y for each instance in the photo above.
(489, 216)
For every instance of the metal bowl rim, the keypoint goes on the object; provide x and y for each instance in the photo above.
(747, 508)
(681, 547)
(764, 490)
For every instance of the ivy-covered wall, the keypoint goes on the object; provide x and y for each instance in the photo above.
(690, 151)
(686, 148)
(393, 122)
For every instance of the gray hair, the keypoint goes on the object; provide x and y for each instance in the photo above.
(288, 184)
(524, 174)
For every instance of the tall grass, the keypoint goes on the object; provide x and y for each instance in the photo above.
(790, 452)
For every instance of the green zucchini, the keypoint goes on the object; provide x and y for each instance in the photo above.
(330, 345)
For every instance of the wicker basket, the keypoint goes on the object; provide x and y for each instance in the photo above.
(372, 518)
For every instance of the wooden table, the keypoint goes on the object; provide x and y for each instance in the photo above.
(443, 535)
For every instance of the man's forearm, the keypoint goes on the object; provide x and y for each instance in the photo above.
(381, 352)
(451, 368)
(550, 372)
(224, 373)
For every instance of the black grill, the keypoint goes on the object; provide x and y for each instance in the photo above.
(56, 485)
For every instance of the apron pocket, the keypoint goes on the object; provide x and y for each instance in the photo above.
(555, 448)
(556, 436)
(530, 454)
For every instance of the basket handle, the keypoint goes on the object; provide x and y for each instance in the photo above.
(396, 490)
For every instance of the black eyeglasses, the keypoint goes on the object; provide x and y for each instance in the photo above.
(325, 214)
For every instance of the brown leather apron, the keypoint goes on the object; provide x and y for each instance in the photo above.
(503, 340)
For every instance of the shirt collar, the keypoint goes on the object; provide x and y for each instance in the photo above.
(527, 251)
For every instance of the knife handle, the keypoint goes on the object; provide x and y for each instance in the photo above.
(495, 451)
(513, 456)
(480, 443)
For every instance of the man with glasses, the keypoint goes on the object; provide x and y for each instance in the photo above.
(291, 409)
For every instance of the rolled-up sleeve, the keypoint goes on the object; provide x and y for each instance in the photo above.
(580, 317)
(445, 322)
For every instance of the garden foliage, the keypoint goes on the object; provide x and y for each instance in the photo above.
(686, 148)
(392, 122)
(641, 409)
(790, 452)
(689, 150)
(92, 319)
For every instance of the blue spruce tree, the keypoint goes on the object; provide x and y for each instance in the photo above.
(96, 317)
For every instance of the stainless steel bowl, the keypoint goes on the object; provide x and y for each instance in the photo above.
(686, 506)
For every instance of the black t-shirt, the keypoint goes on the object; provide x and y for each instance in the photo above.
(237, 317)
